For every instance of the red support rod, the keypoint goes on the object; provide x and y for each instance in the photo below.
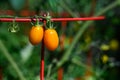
(78, 19)
(52, 19)
(42, 64)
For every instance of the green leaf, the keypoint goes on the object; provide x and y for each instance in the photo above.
(53, 5)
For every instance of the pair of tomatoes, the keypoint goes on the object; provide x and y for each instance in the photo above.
(49, 36)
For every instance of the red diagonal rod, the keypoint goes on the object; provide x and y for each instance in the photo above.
(53, 19)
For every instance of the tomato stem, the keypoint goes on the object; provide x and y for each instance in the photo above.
(49, 23)
(37, 20)
(14, 22)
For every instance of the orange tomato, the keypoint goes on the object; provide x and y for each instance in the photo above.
(51, 39)
(36, 34)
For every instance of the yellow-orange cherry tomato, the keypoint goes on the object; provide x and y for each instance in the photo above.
(51, 39)
(36, 34)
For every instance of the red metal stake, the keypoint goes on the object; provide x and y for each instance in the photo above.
(42, 55)
(0, 73)
(42, 62)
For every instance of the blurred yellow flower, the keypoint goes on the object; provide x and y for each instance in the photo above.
(87, 39)
(114, 44)
(105, 59)
(104, 47)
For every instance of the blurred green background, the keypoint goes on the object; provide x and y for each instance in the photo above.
(87, 50)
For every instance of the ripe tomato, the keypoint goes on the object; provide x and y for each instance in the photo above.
(36, 34)
(51, 39)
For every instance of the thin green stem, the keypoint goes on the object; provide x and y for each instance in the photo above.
(6, 16)
(12, 62)
(111, 6)
(37, 20)
(49, 71)
(80, 64)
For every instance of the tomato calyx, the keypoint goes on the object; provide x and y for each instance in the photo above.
(49, 23)
(37, 23)
(13, 27)
(46, 17)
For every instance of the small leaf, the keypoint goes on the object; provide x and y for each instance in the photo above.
(13, 28)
